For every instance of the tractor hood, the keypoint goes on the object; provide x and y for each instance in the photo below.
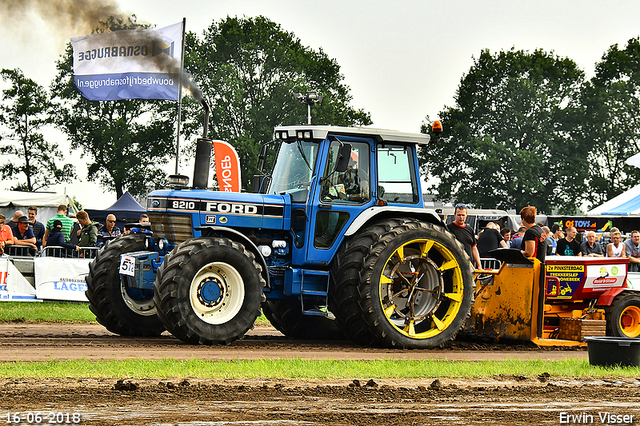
(219, 208)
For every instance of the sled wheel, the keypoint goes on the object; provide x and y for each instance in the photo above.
(122, 310)
(209, 291)
(286, 316)
(416, 286)
(623, 316)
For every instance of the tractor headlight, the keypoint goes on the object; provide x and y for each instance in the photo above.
(276, 244)
(163, 243)
(265, 251)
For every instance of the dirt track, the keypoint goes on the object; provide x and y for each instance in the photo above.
(504, 400)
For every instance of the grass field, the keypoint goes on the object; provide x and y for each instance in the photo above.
(279, 368)
(304, 369)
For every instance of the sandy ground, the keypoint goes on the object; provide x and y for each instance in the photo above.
(500, 400)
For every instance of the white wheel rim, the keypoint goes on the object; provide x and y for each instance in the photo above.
(217, 293)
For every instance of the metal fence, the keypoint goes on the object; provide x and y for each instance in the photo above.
(52, 251)
(490, 263)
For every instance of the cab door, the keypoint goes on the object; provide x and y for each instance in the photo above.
(338, 197)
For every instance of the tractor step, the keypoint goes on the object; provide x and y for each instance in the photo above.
(313, 288)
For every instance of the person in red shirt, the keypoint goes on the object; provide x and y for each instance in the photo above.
(6, 235)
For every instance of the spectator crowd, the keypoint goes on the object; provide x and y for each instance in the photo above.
(63, 235)
(546, 241)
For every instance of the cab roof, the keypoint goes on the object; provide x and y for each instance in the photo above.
(382, 135)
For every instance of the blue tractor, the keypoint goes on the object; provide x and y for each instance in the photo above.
(335, 242)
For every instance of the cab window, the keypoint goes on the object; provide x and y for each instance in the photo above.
(396, 176)
(351, 186)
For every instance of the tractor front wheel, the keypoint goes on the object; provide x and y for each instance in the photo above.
(122, 310)
(209, 291)
(623, 316)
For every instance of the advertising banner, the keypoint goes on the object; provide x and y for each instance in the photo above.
(61, 279)
(13, 286)
(129, 64)
(227, 167)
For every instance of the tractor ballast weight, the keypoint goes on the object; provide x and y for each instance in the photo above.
(336, 241)
(556, 304)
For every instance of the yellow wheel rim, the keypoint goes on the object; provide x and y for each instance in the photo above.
(630, 321)
(421, 288)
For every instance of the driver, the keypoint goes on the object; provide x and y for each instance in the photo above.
(351, 185)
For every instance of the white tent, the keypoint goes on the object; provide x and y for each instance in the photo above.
(46, 202)
(625, 204)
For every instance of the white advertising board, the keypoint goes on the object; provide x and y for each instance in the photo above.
(13, 286)
(61, 279)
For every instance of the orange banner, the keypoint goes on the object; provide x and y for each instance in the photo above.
(227, 167)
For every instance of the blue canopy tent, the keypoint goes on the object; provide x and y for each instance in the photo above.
(126, 210)
(625, 204)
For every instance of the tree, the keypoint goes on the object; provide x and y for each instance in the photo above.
(26, 110)
(612, 105)
(509, 142)
(126, 141)
(249, 70)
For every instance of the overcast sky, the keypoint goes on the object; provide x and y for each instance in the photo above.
(403, 60)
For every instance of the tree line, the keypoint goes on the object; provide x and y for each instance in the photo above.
(526, 128)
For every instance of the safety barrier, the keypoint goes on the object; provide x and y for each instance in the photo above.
(53, 273)
(490, 263)
(84, 252)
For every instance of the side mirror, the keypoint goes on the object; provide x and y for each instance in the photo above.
(343, 158)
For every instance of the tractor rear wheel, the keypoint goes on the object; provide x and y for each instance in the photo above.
(623, 316)
(286, 316)
(209, 291)
(415, 284)
(122, 310)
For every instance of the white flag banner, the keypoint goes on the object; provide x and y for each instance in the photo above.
(129, 64)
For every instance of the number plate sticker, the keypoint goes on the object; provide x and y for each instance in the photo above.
(127, 265)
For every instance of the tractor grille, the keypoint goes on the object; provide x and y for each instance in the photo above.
(174, 227)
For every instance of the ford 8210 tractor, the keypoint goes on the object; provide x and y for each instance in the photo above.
(335, 241)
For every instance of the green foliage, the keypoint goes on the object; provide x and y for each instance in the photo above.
(612, 104)
(127, 141)
(26, 110)
(248, 70)
(509, 142)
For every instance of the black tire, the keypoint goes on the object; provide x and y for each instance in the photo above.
(623, 316)
(286, 316)
(209, 291)
(414, 283)
(128, 312)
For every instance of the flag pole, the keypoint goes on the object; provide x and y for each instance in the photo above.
(184, 24)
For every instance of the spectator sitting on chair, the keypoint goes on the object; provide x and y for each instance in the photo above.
(6, 236)
(38, 227)
(13, 223)
(56, 237)
(616, 248)
(590, 247)
(24, 235)
(632, 251)
(568, 246)
(109, 230)
(516, 239)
